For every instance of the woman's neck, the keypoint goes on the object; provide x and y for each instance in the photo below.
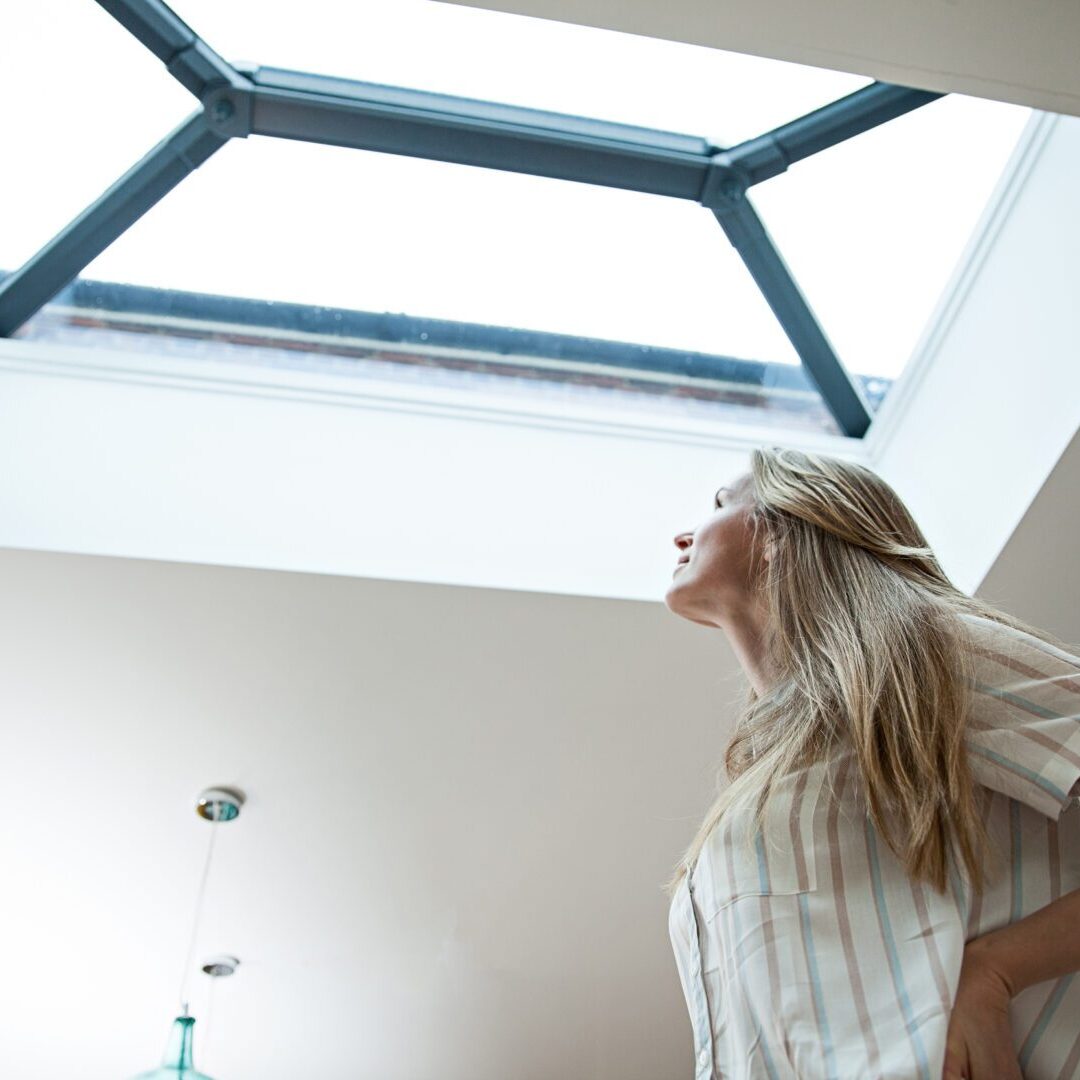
(745, 630)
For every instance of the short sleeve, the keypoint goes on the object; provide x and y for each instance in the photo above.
(1024, 738)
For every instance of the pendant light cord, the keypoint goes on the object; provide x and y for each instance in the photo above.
(206, 1022)
(198, 915)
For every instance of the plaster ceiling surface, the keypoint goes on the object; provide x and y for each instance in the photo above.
(985, 48)
(461, 806)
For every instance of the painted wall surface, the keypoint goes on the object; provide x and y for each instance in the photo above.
(461, 807)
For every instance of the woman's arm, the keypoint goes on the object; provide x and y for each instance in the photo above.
(997, 966)
(1043, 945)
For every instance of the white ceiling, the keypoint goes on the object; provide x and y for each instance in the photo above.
(986, 48)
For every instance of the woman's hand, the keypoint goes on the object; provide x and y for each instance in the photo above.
(979, 1043)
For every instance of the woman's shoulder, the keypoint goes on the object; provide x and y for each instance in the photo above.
(1025, 726)
(994, 640)
(1010, 659)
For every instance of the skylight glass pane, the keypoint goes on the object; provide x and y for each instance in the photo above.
(873, 228)
(83, 102)
(518, 60)
(290, 221)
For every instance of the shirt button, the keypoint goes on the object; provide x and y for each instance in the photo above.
(703, 1056)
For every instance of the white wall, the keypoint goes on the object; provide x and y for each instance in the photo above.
(230, 464)
(461, 805)
(1036, 575)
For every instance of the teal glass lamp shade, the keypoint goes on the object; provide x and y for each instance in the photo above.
(177, 1063)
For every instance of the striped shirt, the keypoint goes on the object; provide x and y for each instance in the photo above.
(816, 956)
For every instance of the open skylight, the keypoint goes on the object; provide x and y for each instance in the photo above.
(870, 223)
(290, 221)
(100, 101)
(873, 228)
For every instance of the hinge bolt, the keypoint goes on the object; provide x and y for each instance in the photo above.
(222, 110)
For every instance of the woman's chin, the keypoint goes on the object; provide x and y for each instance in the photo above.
(673, 597)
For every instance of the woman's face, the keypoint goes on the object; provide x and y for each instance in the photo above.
(714, 577)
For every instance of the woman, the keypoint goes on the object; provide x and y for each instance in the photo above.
(890, 885)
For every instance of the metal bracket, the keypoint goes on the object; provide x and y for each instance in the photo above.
(759, 158)
(729, 173)
(228, 110)
(724, 189)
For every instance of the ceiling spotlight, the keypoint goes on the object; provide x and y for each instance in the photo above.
(221, 965)
(219, 804)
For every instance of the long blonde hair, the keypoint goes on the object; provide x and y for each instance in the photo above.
(865, 646)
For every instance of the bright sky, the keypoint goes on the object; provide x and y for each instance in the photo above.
(871, 228)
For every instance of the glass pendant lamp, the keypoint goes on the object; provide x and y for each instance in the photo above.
(177, 1063)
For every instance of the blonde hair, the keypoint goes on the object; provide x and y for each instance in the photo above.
(866, 652)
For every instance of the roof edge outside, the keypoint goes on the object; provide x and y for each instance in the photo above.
(325, 388)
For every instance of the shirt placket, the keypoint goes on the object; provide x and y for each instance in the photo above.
(703, 1030)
